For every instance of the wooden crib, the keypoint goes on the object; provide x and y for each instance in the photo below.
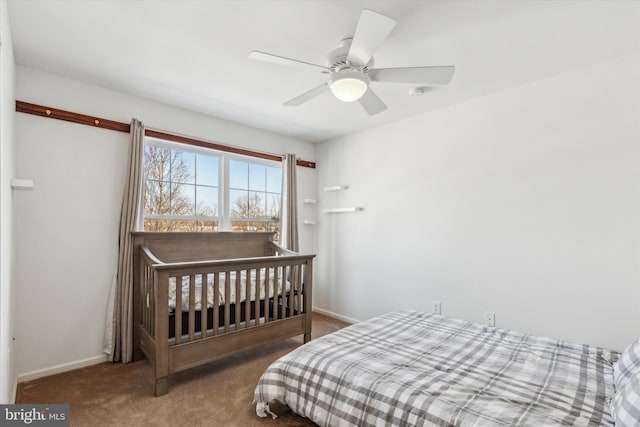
(251, 292)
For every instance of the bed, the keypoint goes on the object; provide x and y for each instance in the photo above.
(412, 368)
(199, 297)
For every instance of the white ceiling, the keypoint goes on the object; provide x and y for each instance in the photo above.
(193, 54)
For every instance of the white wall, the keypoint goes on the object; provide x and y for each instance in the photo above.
(524, 202)
(67, 227)
(7, 106)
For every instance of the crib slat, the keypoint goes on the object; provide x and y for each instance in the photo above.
(227, 300)
(293, 298)
(247, 298)
(192, 306)
(267, 290)
(178, 310)
(256, 304)
(145, 295)
(276, 294)
(286, 277)
(238, 311)
(149, 299)
(285, 291)
(299, 282)
(204, 305)
(152, 313)
(216, 302)
(292, 289)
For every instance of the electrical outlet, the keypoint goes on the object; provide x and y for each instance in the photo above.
(490, 318)
(436, 307)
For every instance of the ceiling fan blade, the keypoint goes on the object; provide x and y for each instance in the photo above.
(371, 103)
(416, 75)
(372, 30)
(301, 99)
(281, 60)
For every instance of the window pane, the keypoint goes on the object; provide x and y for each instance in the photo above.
(274, 180)
(183, 226)
(207, 170)
(257, 204)
(257, 177)
(183, 167)
(207, 225)
(156, 198)
(238, 175)
(273, 206)
(239, 226)
(156, 225)
(247, 226)
(183, 199)
(156, 163)
(257, 226)
(206, 201)
(247, 204)
(239, 203)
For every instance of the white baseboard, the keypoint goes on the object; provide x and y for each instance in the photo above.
(28, 376)
(336, 315)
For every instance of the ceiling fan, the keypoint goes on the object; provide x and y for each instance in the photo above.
(350, 67)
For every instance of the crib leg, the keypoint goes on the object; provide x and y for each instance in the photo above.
(162, 386)
(307, 337)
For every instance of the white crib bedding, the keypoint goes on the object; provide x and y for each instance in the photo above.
(264, 280)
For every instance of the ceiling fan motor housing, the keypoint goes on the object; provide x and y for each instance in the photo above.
(337, 59)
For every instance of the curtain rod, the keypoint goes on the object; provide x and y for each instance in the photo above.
(54, 113)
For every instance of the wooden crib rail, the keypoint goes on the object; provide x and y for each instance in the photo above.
(280, 250)
(292, 257)
(232, 264)
(148, 256)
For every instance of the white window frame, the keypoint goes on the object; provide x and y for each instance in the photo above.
(224, 203)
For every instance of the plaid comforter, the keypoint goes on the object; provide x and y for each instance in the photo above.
(412, 368)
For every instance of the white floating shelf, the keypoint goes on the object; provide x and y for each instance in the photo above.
(310, 201)
(22, 184)
(336, 188)
(309, 222)
(341, 210)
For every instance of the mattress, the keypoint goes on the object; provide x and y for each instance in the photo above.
(264, 281)
(412, 368)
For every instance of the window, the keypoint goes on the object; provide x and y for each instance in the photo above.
(193, 189)
(254, 196)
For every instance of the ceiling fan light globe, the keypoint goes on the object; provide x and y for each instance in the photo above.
(348, 86)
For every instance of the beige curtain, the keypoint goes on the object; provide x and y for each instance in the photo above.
(119, 336)
(290, 205)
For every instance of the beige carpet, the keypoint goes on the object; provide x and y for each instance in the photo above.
(218, 394)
